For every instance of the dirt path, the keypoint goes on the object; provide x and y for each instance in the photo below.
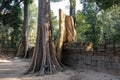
(14, 69)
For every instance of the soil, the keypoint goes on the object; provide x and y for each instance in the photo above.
(13, 69)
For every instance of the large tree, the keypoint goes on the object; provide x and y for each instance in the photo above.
(44, 60)
(72, 7)
(92, 34)
(23, 47)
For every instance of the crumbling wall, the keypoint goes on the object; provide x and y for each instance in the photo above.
(101, 60)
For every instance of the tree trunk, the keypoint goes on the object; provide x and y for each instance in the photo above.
(23, 47)
(44, 60)
(0, 43)
(67, 32)
(62, 33)
(70, 29)
(72, 13)
(72, 9)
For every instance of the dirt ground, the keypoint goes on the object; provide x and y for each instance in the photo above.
(13, 69)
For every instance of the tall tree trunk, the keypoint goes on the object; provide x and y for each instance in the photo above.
(72, 13)
(62, 33)
(44, 60)
(70, 29)
(0, 42)
(72, 9)
(23, 47)
(67, 32)
(25, 24)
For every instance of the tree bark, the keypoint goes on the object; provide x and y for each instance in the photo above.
(23, 47)
(44, 60)
(0, 43)
(72, 9)
(62, 33)
(67, 32)
(70, 29)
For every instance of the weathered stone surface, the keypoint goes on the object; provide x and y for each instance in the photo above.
(87, 60)
(108, 62)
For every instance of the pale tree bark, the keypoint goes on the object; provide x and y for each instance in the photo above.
(62, 33)
(67, 32)
(70, 29)
(44, 60)
(72, 13)
(23, 47)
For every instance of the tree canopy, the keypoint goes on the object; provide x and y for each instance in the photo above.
(104, 4)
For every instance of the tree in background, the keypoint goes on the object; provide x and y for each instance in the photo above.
(54, 25)
(110, 20)
(33, 11)
(72, 7)
(10, 19)
(97, 14)
(23, 46)
(104, 4)
(72, 12)
(81, 26)
(93, 33)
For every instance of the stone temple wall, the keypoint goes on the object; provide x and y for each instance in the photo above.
(76, 57)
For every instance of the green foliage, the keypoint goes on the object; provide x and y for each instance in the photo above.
(93, 32)
(104, 4)
(81, 26)
(30, 1)
(11, 24)
(56, 0)
(110, 21)
(33, 24)
(54, 24)
(99, 22)
(88, 26)
(11, 19)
